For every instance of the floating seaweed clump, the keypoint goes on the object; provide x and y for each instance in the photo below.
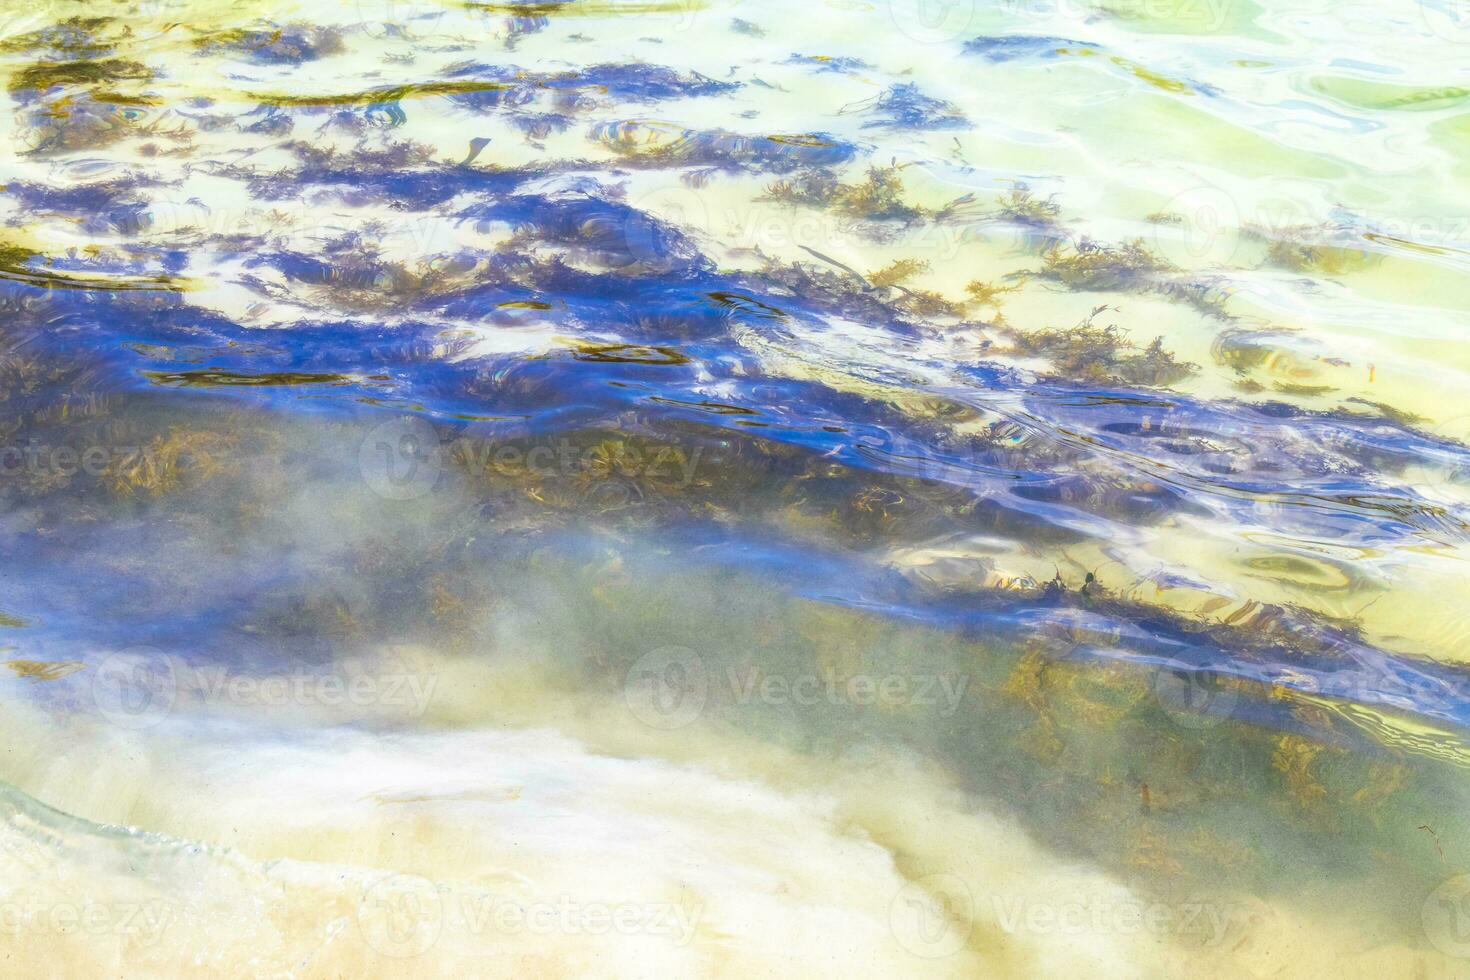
(880, 296)
(170, 462)
(591, 471)
(1279, 353)
(663, 145)
(356, 278)
(642, 83)
(987, 294)
(576, 89)
(879, 197)
(291, 45)
(1088, 352)
(1092, 265)
(1129, 267)
(603, 232)
(903, 106)
(1398, 416)
(899, 271)
(920, 302)
(48, 74)
(391, 156)
(71, 121)
(1022, 207)
(1312, 248)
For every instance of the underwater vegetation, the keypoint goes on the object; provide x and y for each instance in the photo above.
(1023, 207)
(1090, 265)
(583, 89)
(1087, 265)
(292, 44)
(879, 197)
(905, 107)
(1088, 352)
(42, 76)
(661, 145)
(507, 343)
(1324, 249)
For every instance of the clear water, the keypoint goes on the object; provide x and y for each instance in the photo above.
(632, 488)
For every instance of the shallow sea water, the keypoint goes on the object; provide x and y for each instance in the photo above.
(641, 488)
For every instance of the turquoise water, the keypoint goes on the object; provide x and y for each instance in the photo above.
(656, 487)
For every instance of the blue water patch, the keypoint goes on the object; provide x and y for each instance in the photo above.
(823, 63)
(1017, 46)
